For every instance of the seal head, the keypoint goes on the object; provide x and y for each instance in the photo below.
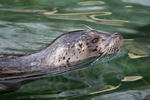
(75, 47)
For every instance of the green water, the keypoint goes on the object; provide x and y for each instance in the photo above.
(29, 25)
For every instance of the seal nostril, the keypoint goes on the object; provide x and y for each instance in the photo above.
(115, 35)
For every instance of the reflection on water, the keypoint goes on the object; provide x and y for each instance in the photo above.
(136, 48)
(29, 25)
(131, 78)
(142, 2)
(22, 11)
(75, 93)
(142, 94)
(88, 8)
(89, 3)
(90, 16)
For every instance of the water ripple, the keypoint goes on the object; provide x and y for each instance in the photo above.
(87, 16)
(87, 3)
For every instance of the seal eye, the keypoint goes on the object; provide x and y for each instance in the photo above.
(95, 40)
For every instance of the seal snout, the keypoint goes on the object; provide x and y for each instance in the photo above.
(117, 35)
(118, 38)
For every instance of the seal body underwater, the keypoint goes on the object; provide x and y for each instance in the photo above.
(70, 51)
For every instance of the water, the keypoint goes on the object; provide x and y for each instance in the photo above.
(29, 25)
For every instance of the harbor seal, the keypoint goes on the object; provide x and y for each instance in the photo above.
(70, 51)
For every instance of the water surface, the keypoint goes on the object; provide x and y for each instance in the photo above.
(29, 25)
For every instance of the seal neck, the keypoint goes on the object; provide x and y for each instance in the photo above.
(26, 63)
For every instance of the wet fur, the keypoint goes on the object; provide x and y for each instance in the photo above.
(66, 53)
